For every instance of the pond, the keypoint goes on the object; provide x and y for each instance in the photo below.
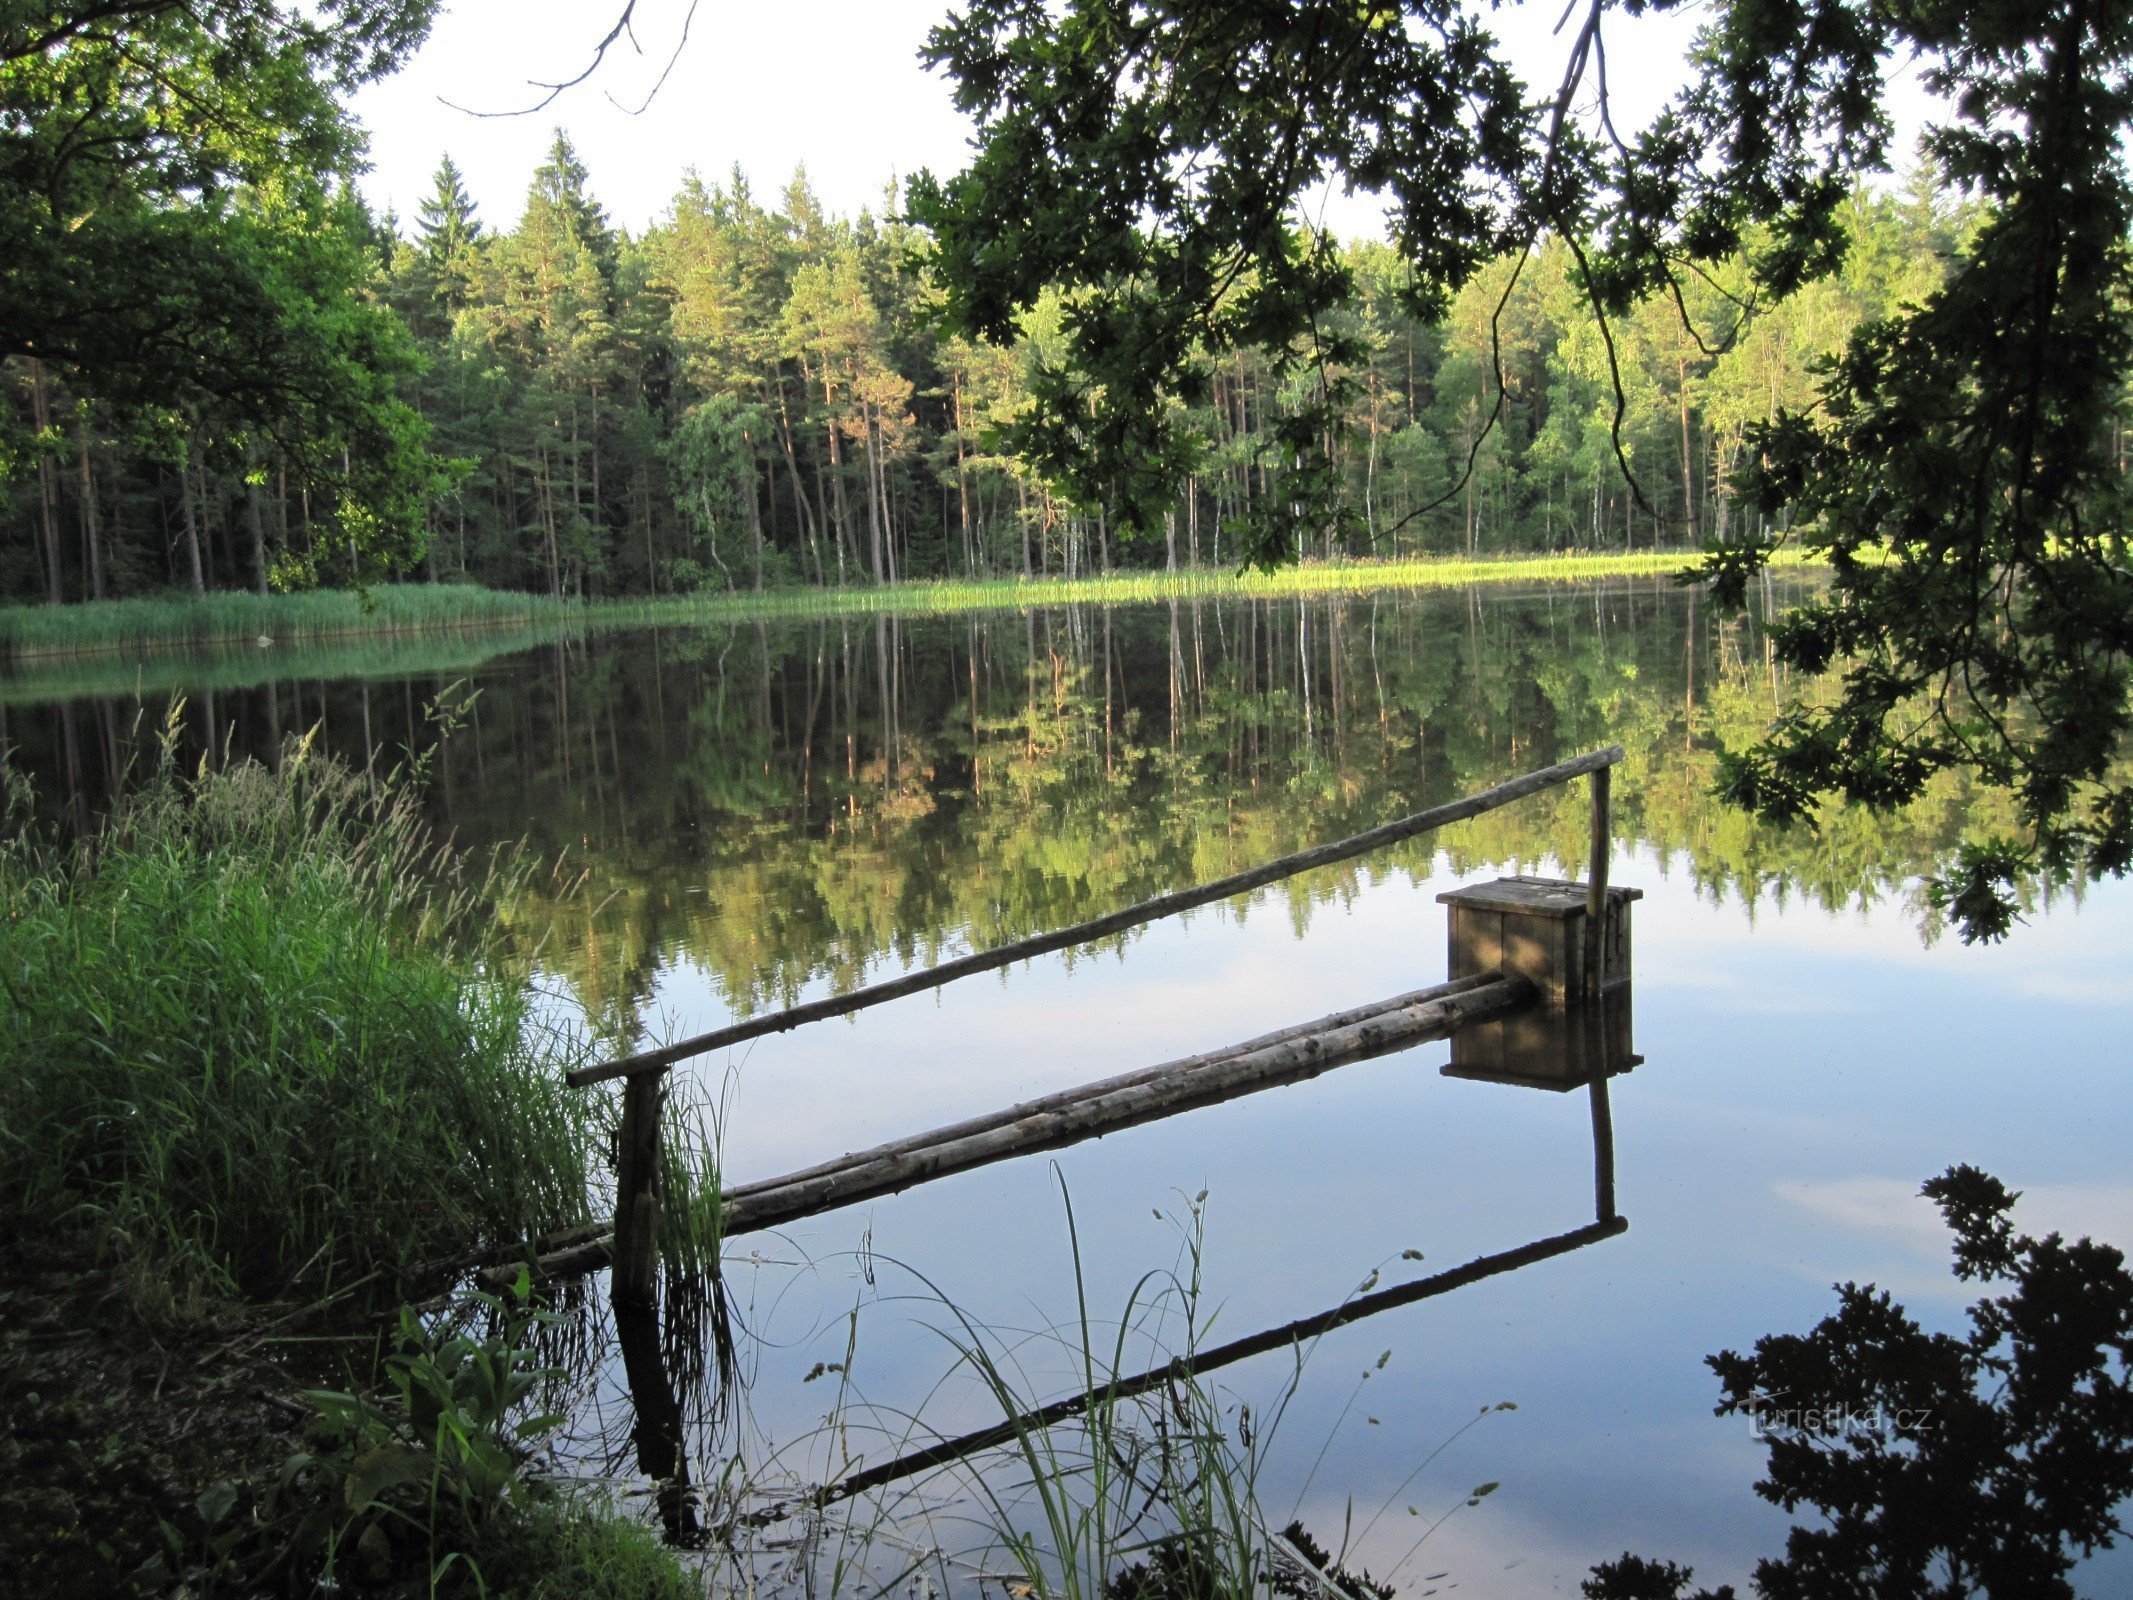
(752, 815)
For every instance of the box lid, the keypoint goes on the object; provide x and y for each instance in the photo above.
(1555, 898)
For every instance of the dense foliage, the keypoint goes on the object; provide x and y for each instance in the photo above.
(181, 282)
(223, 373)
(758, 394)
(1961, 465)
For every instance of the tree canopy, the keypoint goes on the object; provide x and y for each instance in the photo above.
(1961, 465)
(174, 249)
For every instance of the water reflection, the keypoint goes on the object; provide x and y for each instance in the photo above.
(782, 806)
(659, 1427)
(761, 815)
(656, 1410)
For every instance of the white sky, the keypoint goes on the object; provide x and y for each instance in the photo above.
(833, 84)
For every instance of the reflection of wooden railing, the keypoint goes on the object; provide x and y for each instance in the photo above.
(1288, 1056)
(1135, 916)
(1285, 1336)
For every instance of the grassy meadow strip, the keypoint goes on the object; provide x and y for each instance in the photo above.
(181, 622)
(209, 669)
(259, 1050)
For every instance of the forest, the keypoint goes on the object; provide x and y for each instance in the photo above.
(756, 393)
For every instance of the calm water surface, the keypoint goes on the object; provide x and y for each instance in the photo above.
(751, 816)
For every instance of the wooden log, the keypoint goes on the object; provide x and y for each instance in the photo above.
(1125, 1080)
(1596, 886)
(1134, 916)
(564, 1244)
(1055, 1121)
(1294, 1060)
(1285, 1337)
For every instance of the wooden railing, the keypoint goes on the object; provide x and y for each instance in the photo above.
(1289, 1055)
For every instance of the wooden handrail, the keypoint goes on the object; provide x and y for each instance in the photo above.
(1133, 916)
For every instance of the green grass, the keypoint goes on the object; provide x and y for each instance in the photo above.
(255, 1051)
(1153, 1499)
(183, 622)
(42, 679)
(175, 621)
(563, 1549)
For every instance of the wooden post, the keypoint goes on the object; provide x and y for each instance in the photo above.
(1596, 888)
(637, 1196)
(1603, 1154)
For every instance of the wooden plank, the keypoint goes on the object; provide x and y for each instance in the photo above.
(1293, 1056)
(1134, 916)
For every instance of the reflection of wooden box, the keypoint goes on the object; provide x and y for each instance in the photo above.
(1534, 928)
(1540, 1048)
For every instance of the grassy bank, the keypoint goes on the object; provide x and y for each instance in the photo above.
(209, 668)
(253, 1055)
(134, 627)
(265, 1077)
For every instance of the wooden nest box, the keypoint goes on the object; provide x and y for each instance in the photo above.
(1535, 928)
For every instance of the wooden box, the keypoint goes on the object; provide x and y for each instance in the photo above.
(1535, 928)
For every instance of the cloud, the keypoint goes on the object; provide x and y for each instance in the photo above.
(1893, 1210)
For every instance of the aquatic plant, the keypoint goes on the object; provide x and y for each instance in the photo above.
(1151, 1491)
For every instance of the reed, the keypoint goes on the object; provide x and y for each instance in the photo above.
(258, 1047)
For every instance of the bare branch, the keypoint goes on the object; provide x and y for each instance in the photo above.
(621, 29)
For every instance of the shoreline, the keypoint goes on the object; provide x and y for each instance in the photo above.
(150, 626)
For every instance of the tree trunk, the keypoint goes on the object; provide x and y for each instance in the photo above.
(257, 525)
(547, 511)
(1688, 458)
(190, 522)
(962, 479)
(755, 516)
(91, 530)
(836, 473)
(873, 500)
(1022, 520)
(47, 487)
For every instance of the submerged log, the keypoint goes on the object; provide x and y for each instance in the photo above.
(1134, 916)
(1292, 1055)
